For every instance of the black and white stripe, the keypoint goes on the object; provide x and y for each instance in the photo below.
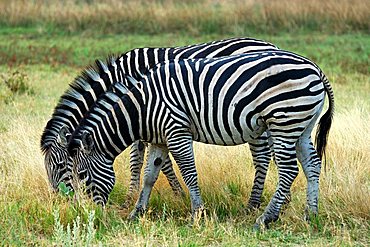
(95, 81)
(223, 101)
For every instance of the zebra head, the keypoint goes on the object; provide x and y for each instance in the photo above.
(94, 168)
(58, 163)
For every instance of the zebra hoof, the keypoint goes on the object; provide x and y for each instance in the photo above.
(310, 215)
(135, 214)
(197, 215)
(252, 207)
(260, 224)
(132, 216)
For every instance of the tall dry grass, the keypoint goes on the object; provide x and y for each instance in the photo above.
(197, 17)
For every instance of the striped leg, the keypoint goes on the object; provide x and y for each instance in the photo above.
(168, 171)
(136, 163)
(156, 157)
(261, 154)
(285, 158)
(311, 165)
(262, 151)
(181, 148)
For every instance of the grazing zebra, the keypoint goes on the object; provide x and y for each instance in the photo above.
(94, 82)
(223, 101)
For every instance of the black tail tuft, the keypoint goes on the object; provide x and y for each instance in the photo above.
(323, 133)
(325, 122)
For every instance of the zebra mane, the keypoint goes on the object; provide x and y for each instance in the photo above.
(85, 89)
(106, 103)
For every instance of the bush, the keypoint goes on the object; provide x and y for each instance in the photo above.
(14, 83)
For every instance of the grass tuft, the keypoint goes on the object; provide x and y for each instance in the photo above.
(14, 83)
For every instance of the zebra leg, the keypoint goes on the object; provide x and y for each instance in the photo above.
(181, 148)
(168, 171)
(285, 158)
(270, 141)
(156, 157)
(262, 151)
(136, 163)
(311, 165)
(261, 154)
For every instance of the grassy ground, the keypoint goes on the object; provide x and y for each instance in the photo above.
(42, 65)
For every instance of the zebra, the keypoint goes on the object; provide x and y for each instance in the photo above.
(95, 81)
(224, 101)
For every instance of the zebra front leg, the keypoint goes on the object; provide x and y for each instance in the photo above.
(136, 163)
(285, 158)
(168, 171)
(156, 157)
(181, 148)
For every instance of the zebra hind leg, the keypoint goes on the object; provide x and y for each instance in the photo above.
(262, 151)
(156, 157)
(136, 163)
(261, 154)
(311, 165)
(285, 158)
(168, 171)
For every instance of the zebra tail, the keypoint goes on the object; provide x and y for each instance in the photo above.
(325, 122)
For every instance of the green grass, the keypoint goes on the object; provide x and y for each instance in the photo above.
(51, 61)
(347, 52)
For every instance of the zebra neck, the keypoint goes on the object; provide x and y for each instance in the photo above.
(119, 124)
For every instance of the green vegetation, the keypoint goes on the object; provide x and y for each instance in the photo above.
(41, 52)
(14, 83)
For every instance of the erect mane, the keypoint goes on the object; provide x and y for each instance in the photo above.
(82, 92)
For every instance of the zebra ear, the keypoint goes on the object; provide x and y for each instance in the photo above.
(131, 81)
(63, 135)
(87, 141)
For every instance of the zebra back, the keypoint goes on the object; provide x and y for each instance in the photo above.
(189, 102)
(97, 79)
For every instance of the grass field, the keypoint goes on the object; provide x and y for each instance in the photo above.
(38, 61)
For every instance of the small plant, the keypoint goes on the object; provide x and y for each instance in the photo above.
(64, 190)
(14, 83)
(77, 236)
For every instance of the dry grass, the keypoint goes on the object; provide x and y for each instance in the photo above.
(196, 17)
